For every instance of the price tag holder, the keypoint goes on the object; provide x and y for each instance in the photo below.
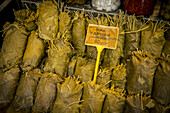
(101, 37)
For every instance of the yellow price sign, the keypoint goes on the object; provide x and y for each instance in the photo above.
(101, 37)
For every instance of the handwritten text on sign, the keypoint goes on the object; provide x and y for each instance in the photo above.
(99, 35)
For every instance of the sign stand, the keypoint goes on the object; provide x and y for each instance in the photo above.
(99, 50)
(101, 37)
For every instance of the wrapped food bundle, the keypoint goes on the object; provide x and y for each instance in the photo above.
(13, 45)
(8, 84)
(166, 48)
(152, 38)
(65, 22)
(91, 50)
(138, 104)
(59, 54)
(102, 20)
(119, 77)
(47, 20)
(11, 109)
(68, 96)
(25, 94)
(91, 20)
(114, 102)
(161, 90)
(158, 108)
(46, 93)
(34, 51)
(168, 34)
(112, 56)
(140, 72)
(103, 77)
(165, 9)
(131, 39)
(27, 18)
(84, 69)
(78, 33)
(72, 65)
(93, 98)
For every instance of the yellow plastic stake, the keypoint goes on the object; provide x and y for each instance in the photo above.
(101, 37)
(99, 50)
